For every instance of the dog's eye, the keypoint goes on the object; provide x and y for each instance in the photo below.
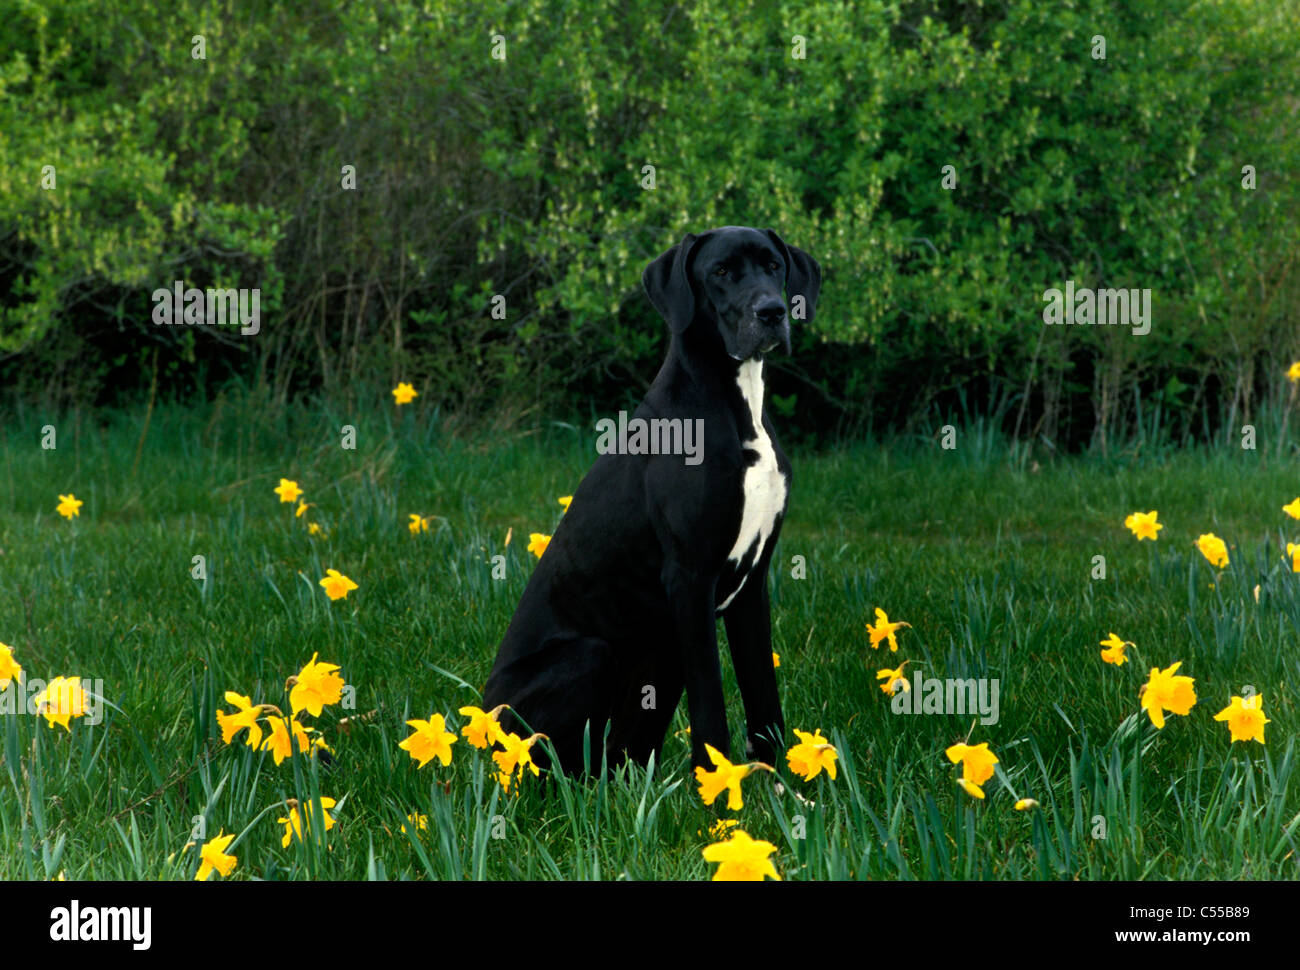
(720, 271)
(774, 266)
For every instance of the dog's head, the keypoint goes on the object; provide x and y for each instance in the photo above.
(732, 278)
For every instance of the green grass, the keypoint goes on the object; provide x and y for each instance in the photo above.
(988, 556)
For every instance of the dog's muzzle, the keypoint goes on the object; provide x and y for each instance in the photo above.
(763, 329)
(773, 325)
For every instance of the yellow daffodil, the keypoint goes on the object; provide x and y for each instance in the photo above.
(537, 543)
(1293, 372)
(1114, 652)
(811, 755)
(421, 822)
(1026, 803)
(884, 629)
(724, 777)
(483, 730)
(314, 530)
(1164, 691)
(430, 740)
(565, 500)
(337, 586)
(1293, 552)
(69, 506)
(9, 669)
(293, 824)
(279, 740)
(419, 524)
(776, 659)
(62, 699)
(214, 857)
(893, 679)
(977, 763)
(1213, 549)
(505, 780)
(741, 859)
(404, 393)
(288, 491)
(1143, 525)
(302, 509)
(719, 828)
(517, 755)
(245, 717)
(315, 686)
(1245, 717)
(1293, 509)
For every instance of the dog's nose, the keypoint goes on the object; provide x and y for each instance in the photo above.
(770, 312)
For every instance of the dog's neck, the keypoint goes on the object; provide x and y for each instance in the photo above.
(738, 382)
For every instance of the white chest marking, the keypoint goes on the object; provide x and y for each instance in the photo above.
(764, 485)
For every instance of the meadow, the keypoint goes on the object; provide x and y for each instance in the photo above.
(987, 551)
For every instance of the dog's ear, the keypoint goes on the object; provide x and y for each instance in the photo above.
(668, 284)
(803, 276)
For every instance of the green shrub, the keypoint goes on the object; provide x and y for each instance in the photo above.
(524, 177)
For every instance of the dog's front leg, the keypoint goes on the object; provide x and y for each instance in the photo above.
(697, 635)
(749, 636)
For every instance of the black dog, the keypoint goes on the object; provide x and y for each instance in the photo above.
(621, 612)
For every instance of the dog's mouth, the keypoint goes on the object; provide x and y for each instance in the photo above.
(756, 338)
(779, 339)
(758, 352)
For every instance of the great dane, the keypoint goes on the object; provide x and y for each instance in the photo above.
(620, 614)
